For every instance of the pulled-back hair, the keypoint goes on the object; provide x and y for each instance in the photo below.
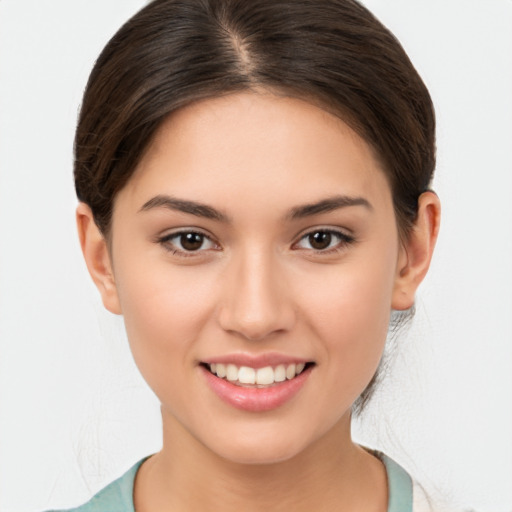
(333, 53)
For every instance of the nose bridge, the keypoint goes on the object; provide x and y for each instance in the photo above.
(255, 303)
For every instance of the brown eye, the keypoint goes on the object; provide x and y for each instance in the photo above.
(191, 241)
(324, 241)
(187, 242)
(320, 240)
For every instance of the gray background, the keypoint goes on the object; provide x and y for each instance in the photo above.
(74, 413)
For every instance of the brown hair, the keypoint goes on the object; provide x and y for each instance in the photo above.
(334, 53)
(174, 52)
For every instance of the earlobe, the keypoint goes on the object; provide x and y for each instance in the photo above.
(416, 254)
(97, 257)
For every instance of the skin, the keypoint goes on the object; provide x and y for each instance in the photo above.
(257, 285)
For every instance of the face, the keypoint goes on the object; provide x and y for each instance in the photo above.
(257, 239)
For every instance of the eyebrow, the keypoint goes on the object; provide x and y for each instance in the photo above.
(208, 212)
(327, 205)
(185, 206)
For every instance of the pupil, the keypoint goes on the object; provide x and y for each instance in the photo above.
(320, 240)
(191, 241)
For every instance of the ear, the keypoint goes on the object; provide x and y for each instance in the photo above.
(416, 252)
(97, 257)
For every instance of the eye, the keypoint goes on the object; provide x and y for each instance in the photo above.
(324, 240)
(187, 242)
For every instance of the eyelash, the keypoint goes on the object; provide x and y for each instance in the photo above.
(344, 240)
(165, 241)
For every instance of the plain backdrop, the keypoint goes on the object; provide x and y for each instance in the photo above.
(74, 414)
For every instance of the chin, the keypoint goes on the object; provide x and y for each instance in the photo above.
(256, 456)
(260, 450)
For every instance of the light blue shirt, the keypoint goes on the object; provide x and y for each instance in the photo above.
(118, 496)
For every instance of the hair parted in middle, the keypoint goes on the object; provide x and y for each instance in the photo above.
(333, 53)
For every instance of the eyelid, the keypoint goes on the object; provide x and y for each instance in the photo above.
(344, 235)
(165, 241)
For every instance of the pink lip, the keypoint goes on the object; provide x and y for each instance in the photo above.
(256, 399)
(256, 361)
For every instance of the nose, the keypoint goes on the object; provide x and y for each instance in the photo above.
(255, 303)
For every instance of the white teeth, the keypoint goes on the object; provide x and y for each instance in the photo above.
(247, 375)
(265, 376)
(220, 370)
(261, 377)
(280, 373)
(232, 372)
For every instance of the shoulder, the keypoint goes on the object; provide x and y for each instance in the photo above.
(405, 493)
(400, 485)
(422, 501)
(115, 497)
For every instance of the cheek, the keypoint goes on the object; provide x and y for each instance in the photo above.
(355, 297)
(157, 295)
(350, 312)
(164, 313)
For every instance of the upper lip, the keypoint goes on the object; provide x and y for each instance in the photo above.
(256, 361)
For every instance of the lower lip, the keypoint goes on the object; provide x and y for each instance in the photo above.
(256, 399)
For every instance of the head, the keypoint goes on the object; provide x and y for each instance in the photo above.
(177, 78)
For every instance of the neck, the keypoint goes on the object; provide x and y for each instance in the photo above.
(332, 474)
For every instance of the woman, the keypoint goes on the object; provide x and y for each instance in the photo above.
(254, 197)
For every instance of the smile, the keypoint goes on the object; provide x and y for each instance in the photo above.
(253, 387)
(256, 377)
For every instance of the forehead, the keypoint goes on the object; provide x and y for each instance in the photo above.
(257, 147)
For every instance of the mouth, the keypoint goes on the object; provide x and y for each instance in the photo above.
(256, 383)
(248, 377)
